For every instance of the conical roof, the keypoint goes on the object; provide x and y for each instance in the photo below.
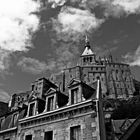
(87, 50)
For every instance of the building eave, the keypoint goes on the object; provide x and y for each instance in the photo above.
(7, 130)
(67, 108)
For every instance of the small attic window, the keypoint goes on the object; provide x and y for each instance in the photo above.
(74, 95)
(31, 109)
(1, 121)
(15, 117)
(50, 103)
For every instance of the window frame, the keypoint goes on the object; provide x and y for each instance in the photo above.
(52, 133)
(49, 108)
(74, 95)
(72, 133)
(33, 109)
(1, 122)
(28, 135)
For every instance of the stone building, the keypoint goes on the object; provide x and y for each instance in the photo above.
(79, 104)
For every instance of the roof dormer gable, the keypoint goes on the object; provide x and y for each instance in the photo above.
(74, 82)
(51, 91)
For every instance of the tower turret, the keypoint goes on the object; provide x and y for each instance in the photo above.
(87, 57)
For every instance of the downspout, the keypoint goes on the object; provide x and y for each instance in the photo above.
(101, 132)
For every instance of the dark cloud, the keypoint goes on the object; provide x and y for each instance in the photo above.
(34, 66)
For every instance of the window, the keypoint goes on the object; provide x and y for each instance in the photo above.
(48, 135)
(74, 95)
(75, 133)
(84, 60)
(50, 103)
(1, 122)
(31, 109)
(28, 137)
(15, 117)
(90, 59)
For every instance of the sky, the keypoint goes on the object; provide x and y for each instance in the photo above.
(41, 37)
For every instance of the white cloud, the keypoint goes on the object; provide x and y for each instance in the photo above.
(17, 23)
(133, 59)
(73, 20)
(56, 3)
(111, 7)
(4, 96)
(34, 66)
(130, 6)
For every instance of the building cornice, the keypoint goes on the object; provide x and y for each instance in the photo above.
(7, 130)
(59, 114)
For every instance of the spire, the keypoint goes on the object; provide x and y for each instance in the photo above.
(88, 57)
(87, 44)
(87, 50)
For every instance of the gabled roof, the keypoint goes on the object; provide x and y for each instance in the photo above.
(131, 129)
(74, 82)
(51, 90)
(120, 126)
(87, 51)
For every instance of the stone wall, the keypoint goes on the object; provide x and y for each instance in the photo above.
(11, 135)
(120, 80)
(61, 129)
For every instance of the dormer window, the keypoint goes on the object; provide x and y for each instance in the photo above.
(74, 95)
(50, 103)
(32, 109)
(1, 122)
(15, 117)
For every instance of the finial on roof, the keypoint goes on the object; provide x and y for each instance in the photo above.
(87, 44)
(86, 40)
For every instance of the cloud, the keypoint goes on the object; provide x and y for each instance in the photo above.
(4, 60)
(85, 19)
(114, 8)
(4, 96)
(133, 59)
(17, 25)
(130, 6)
(34, 66)
(79, 17)
(65, 55)
(72, 20)
(56, 3)
(69, 27)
